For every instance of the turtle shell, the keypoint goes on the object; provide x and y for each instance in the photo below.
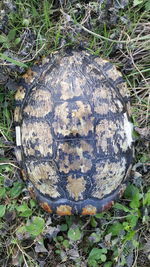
(73, 133)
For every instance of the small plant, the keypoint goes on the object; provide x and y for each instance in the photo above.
(74, 233)
(96, 256)
(34, 227)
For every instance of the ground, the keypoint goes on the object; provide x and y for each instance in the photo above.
(115, 30)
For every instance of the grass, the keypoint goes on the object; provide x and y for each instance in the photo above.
(120, 236)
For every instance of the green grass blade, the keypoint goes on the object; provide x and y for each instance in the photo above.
(11, 60)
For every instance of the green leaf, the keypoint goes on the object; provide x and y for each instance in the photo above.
(135, 243)
(34, 11)
(32, 203)
(93, 222)
(25, 210)
(144, 158)
(21, 229)
(92, 263)
(108, 264)
(99, 215)
(129, 236)
(104, 250)
(135, 203)
(2, 192)
(132, 219)
(17, 40)
(35, 227)
(3, 39)
(146, 200)
(133, 194)
(103, 258)
(95, 254)
(95, 237)
(2, 210)
(6, 114)
(60, 238)
(74, 234)
(66, 243)
(26, 213)
(22, 207)
(11, 35)
(16, 190)
(26, 22)
(63, 227)
(126, 226)
(11, 60)
(58, 251)
(119, 206)
(69, 220)
(46, 7)
(137, 2)
(147, 5)
(115, 229)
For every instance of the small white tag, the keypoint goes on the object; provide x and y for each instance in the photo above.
(18, 136)
(128, 128)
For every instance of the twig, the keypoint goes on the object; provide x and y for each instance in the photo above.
(114, 41)
(9, 163)
(28, 60)
(87, 222)
(3, 135)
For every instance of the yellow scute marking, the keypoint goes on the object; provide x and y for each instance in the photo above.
(20, 94)
(101, 61)
(61, 119)
(73, 120)
(89, 210)
(104, 130)
(108, 177)
(114, 133)
(63, 210)
(113, 73)
(77, 161)
(29, 76)
(36, 136)
(102, 108)
(123, 89)
(44, 177)
(71, 87)
(40, 103)
(105, 99)
(46, 207)
(76, 187)
(17, 115)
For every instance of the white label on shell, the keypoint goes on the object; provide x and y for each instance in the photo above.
(128, 128)
(18, 136)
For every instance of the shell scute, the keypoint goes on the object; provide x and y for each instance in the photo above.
(36, 139)
(74, 155)
(44, 177)
(108, 176)
(39, 104)
(73, 118)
